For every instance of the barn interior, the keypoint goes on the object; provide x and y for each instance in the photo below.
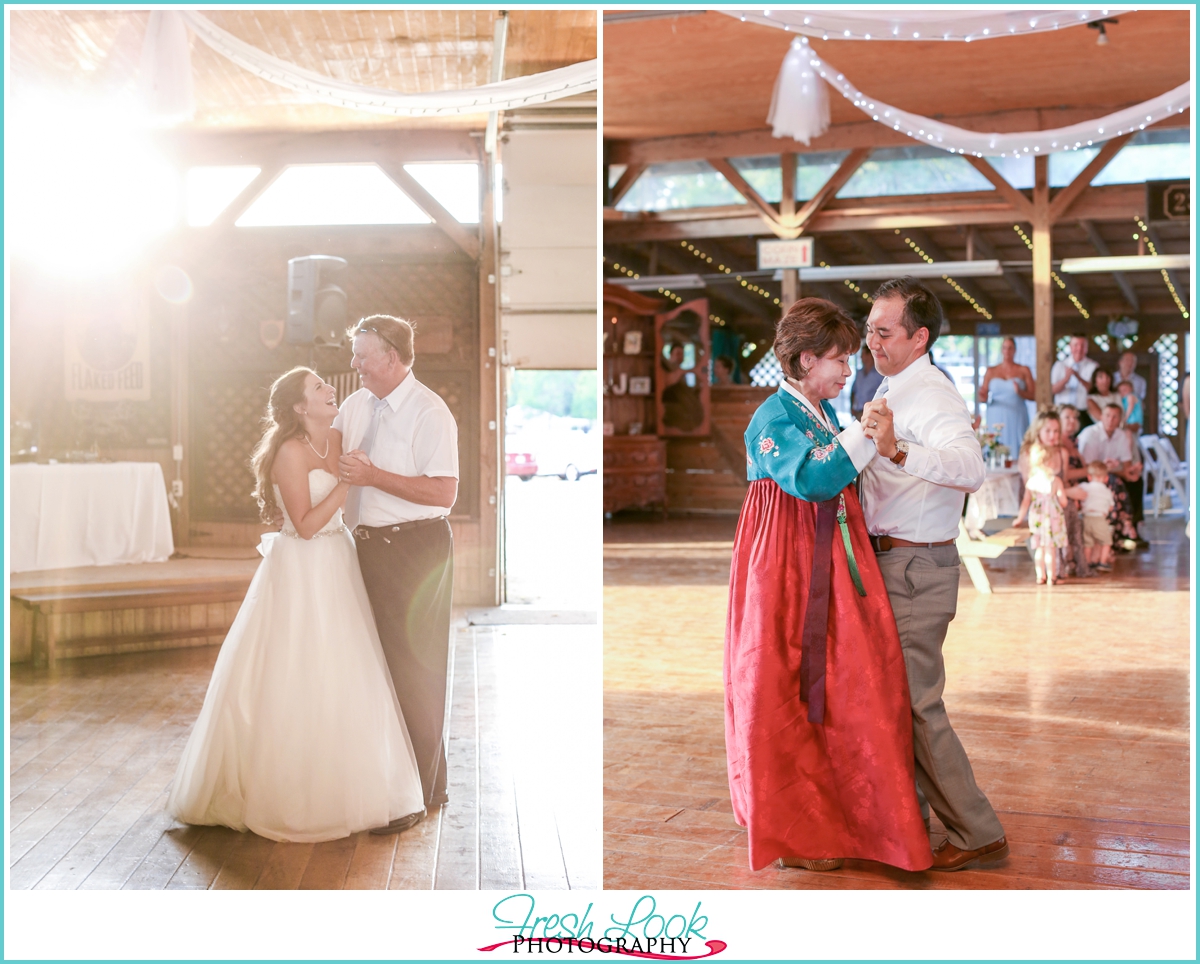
(171, 181)
(698, 189)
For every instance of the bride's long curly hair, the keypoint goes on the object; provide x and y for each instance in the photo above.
(279, 424)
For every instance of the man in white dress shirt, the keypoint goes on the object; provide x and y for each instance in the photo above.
(1071, 378)
(400, 451)
(1125, 373)
(912, 495)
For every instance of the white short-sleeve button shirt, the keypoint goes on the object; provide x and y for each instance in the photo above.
(417, 436)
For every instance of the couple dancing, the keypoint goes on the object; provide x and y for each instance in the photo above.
(837, 738)
(325, 711)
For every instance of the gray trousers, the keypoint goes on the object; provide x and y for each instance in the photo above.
(922, 584)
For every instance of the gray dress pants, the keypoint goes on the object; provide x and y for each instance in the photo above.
(922, 584)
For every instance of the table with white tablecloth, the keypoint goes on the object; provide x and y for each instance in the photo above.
(87, 514)
(1000, 495)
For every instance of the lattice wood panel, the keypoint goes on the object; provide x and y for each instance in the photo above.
(227, 410)
(232, 368)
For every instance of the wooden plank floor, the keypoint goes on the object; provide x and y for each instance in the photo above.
(1072, 702)
(95, 742)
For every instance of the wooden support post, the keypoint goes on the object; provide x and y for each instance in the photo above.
(1043, 295)
(787, 214)
(791, 288)
(180, 440)
(491, 398)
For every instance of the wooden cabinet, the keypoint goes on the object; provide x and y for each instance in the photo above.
(629, 339)
(635, 472)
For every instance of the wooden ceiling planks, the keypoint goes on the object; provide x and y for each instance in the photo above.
(97, 52)
(714, 74)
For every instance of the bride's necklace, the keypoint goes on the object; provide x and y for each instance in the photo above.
(315, 452)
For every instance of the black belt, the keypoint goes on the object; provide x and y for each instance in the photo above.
(364, 532)
(887, 543)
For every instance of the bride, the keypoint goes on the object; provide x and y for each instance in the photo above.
(301, 737)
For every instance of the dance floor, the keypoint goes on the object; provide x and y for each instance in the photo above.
(95, 742)
(1072, 702)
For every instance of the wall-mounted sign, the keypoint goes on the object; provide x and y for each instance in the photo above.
(779, 253)
(1168, 200)
(107, 350)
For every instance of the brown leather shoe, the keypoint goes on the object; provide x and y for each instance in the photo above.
(400, 824)
(949, 857)
(832, 863)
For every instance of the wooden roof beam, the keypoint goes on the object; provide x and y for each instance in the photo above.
(627, 179)
(205, 242)
(855, 134)
(1022, 206)
(457, 232)
(828, 191)
(764, 207)
(1114, 202)
(1066, 197)
(1101, 246)
(1018, 284)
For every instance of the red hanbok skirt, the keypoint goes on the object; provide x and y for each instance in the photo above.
(844, 788)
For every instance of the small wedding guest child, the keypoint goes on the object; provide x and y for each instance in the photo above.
(1098, 502)
(1131, 406)
(1044, 503)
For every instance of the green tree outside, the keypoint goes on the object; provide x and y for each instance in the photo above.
(567, 393)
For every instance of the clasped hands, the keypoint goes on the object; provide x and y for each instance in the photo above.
(878, 424)
(355, 468)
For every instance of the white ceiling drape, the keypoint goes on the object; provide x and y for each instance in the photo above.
(507, 94)
(789, 114)
(799, 105)
(899, 23)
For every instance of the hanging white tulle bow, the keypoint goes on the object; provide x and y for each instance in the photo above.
(166, 68)
(795, 103)
(800, 103)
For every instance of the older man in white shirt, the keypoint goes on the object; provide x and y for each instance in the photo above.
(912, 495)
(1071, 378)
(400, 446)
(1125, 373)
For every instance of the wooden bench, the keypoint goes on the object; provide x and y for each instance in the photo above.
(65, 622)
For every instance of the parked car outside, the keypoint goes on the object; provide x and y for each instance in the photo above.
(521, 464)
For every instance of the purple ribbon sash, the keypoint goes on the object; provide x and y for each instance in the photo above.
(816, 617)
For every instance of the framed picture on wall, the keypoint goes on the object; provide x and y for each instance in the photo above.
(633, 343)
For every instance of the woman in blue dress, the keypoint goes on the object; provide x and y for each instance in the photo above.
(1006, 387)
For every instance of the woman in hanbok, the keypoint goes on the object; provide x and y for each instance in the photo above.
(818, 723)
(301, 737)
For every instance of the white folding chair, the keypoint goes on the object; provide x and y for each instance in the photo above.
(1174, 472)
(1150, 467)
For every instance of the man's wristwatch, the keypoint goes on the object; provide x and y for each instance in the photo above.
(901, 452)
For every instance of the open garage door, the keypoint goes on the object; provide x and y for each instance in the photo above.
(548, 249)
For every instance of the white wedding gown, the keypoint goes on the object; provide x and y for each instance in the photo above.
(300, 737)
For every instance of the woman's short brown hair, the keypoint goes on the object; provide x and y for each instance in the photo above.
(816, 326)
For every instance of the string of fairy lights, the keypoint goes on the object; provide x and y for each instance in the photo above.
(1054, 275)
(1165, 276)
(966, 295)
(748, 285)
(921, 253)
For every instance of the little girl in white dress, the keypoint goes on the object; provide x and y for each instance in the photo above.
(1045, 504)
(301, 737)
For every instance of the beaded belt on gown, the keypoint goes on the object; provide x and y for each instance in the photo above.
(293, 534)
